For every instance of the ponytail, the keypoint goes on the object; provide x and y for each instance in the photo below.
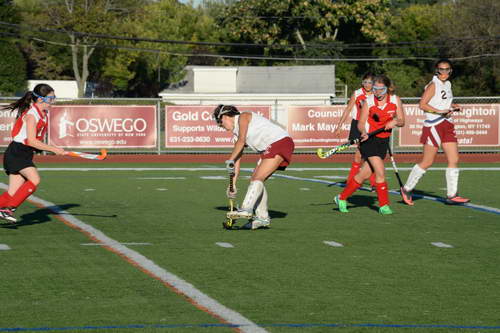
(24, 103)
(21, 104)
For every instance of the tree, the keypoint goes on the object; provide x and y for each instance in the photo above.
(72, 23)
(12, 62)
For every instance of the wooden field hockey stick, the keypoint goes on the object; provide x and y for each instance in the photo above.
(229, 223)
(344, 146)
(88, 156)
(394, 166)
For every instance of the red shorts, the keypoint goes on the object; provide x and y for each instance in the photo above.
(284, 148)
(436, 135)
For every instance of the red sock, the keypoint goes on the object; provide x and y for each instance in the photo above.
(351, 187)
(354, 170)
(373, 183)
(382, 193)
(4, 199)
(27, 189)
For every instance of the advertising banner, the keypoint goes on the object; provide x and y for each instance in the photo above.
(313, 126)
(192, 126)
(103, 126)
(475, 125)
(7, 119)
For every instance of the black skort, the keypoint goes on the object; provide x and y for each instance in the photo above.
(17, 156)
(374, 146)
(354, 133)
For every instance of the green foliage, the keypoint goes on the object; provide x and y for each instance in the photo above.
(12, 69)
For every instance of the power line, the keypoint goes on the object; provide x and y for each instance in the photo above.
(337, 45)
(236, 56)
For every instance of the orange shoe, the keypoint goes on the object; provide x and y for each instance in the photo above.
(456, 200)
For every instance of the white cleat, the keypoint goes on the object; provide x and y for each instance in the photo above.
(257, 223)
(239, 214)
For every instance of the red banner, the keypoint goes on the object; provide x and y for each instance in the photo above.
(103, 126)
(475, 125)
(190, 126)
(7, 119)
(313, 126)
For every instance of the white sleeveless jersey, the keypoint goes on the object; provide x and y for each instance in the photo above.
(20, 129)
(442, 99)
(261, 132)
(359, 96)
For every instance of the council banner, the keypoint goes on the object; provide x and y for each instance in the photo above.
(192, 126)
(475, 125)
(103, 126)
(7, 119)
(313, 126)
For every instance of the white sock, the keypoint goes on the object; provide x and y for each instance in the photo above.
(416, 173)
(254, 192)
(452, 181)
(261, 210)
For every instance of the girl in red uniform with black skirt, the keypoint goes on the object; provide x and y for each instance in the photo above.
(383, 109)
(353, 108)
(27, 137)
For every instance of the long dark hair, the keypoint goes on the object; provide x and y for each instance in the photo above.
(24, 103)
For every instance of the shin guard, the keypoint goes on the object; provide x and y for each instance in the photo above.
(254, 192)
(351, 187)
(354, 170)
(27, 189)
(382, 194)
(452, 181)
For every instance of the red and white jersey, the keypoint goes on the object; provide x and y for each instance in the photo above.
(261, 132)
(442, 99)
(380, 114)
(20, 129)
(360, 97)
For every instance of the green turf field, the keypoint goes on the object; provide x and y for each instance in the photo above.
(384, 271)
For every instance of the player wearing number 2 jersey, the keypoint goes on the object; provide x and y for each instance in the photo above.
(438, 130)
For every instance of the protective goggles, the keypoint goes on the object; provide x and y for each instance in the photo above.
(46, 99)
(366, 82)
(380, 90)
(443, 70)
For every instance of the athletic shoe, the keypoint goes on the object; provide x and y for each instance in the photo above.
(342, 204)
(456, 200)
(6, 214)
(239, 214)
(385, 210)
(257, 223)
(407, 199)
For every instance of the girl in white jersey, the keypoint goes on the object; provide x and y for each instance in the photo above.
(27, 137)
(275, 147)
(438, 131)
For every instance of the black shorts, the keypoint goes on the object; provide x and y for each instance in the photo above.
(17, 157)
(374, 146)
(354, 133)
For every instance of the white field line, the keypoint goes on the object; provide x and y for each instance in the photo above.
(334, 244)
(195, 296)
(441, 244)
(99, 244)
(4, 247)
(223, 244)
(244, 169)
(160, 178)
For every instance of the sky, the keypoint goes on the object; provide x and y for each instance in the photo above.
(195, 2)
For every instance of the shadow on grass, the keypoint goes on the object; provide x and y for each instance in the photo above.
(42, 215)
(273, 214)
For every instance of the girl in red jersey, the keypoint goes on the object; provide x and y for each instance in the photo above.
(354, 109)
(27, 137)
(438, 130)
(383, 109)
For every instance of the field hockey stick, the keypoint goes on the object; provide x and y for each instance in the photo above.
(87, 156)
(344, 146)
(445, 114)
(229, 223)
(394, 166)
